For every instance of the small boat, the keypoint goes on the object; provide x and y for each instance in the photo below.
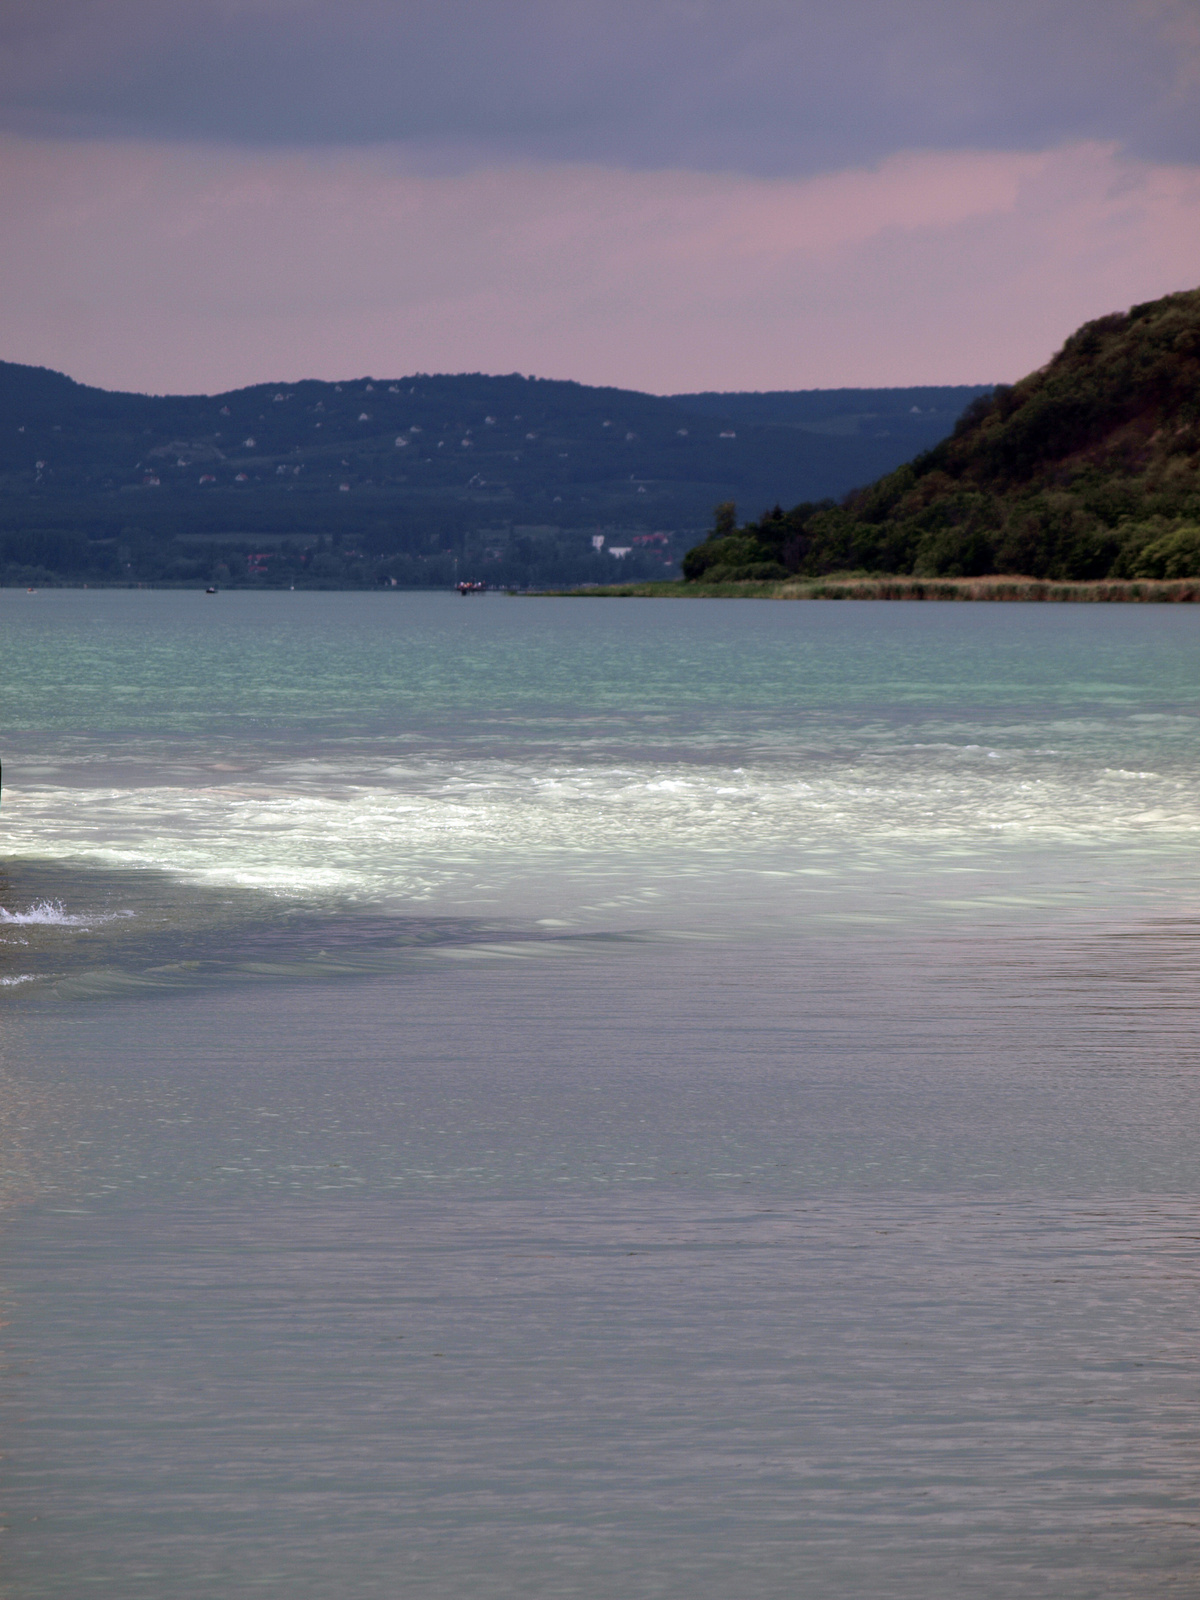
(210, 590)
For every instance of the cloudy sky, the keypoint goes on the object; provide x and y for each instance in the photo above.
(662, 194)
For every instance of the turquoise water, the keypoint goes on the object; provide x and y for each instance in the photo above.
(510, 1097)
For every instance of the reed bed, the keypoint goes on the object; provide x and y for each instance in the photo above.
(1174, 591)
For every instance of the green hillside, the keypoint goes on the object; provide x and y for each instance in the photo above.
(419, 480)
(1086, 469)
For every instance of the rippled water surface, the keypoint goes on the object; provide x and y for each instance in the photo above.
(564, 1098)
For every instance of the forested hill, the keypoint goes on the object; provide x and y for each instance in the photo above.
(1088, 468)
(909, 419)
(418, 480)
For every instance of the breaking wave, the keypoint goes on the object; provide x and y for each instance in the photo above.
(46, 912)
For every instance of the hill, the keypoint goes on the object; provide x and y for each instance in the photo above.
(889, 421)
(1087, 469)
(418, 480)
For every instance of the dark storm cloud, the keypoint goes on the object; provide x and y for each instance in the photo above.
(768, 86)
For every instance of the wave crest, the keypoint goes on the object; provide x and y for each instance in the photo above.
(49, 912)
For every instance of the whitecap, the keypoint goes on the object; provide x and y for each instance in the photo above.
(49, 912)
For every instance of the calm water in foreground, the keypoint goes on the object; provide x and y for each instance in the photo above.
(509, 1098)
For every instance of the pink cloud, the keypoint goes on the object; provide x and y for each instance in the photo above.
(176, 268)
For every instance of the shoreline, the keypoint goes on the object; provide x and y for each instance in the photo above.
(1119, 591)
(1154, 591)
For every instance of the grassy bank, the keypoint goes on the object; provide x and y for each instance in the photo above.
(884, 587)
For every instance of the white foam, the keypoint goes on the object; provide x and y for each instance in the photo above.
(555, 838)
(48, 912)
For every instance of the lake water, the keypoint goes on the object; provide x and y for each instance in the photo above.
(548, 1098)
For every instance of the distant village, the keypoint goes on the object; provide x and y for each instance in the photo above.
(422, 482)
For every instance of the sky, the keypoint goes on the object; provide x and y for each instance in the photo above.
(668, 195)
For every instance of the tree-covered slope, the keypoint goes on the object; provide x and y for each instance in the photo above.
(1088, 468)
